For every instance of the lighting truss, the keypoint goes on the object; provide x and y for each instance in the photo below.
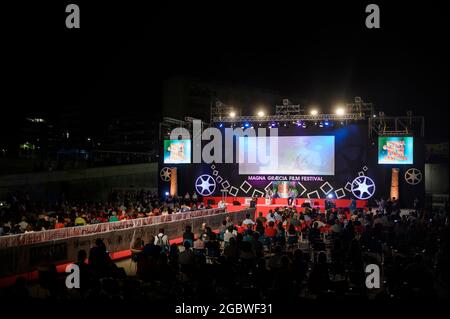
(290, 118)
(397, 125)
(289, 109)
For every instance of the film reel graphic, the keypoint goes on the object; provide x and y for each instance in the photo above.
(413, 176)
(363, 187)
(165, 174)
(205, 185)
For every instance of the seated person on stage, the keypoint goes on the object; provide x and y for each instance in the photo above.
(291, 198)
(221, 204)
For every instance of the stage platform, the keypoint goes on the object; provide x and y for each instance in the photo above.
(261, 205)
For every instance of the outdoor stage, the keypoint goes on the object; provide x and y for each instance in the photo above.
(338, 162)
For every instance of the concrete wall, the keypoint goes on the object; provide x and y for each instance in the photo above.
(90, 184)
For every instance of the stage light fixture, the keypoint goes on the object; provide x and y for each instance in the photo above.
(273, 125)
(304, 125)
(261, 113)
(327, 123)
(232, 114)
(246, 124)
(221, 125)
(330, 196)
(340, 110)
(314, 112)
(167, 193)
(321, 124)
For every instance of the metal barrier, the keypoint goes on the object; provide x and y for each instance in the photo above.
(62, 233)
(117, 236)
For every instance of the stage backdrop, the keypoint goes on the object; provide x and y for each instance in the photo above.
(336, 161)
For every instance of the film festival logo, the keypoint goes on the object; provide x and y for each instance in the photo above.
(262, 149)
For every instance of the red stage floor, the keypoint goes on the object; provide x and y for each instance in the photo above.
(281, 202)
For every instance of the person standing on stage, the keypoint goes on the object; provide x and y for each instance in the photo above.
(291, 197)
(253, 202)
(269, 196)
(352, 206)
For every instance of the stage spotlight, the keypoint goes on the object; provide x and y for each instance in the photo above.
(321, 124)
(221, 125)
(340, 110)
(330, 196)
(304, 125)
(246, 124)
(232, 114)
(327, 123)
(284, 124)
(314, 112)
(261, 113)
(167, 193)
(273, 125)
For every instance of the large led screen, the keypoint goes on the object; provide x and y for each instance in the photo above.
(287, 155)
(177, 151)
(395, 150)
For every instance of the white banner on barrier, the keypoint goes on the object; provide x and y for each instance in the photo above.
(62, 233)
(116, 236)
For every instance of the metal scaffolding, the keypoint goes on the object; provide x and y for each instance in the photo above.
(397, 125)
(287, 113)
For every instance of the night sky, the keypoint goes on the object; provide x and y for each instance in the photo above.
(322, 52)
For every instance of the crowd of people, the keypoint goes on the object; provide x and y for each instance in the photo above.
(285, 254)
(19, 214)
